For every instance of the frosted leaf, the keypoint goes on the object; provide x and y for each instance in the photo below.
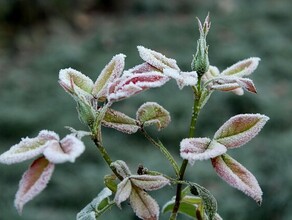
(123, 191)
(33, 181)
(193, 149)
(247, 84)
(120, 121)
(148, 182)
(127, 86)
(240, 129)
(238, 91)
(233, 83)
(121, 168)
(75, 83)
(226, 86)
(68, 149)
(242, 68)
(112, 71)
(237, 176)
(89, 211)
(141, 68)
(156, 59)
(144, 206)
(182, 78)
(152, 113)
(28, 148)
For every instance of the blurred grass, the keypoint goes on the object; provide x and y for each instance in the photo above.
(32, 53)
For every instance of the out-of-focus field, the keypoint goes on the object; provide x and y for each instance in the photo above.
(39, 38)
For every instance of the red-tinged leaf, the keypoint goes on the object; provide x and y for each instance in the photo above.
(123, 191)
(127, 86)
(33, 181)
(28, 148)
(194, 149)
(242, 68)
(148, 182)
(240, 129)
(141, 68)
(237, 176)
(120, 121)
(152, 113)
(67, 150)
(247, 84)
(112, 71)
(156, 59)
(144, 206)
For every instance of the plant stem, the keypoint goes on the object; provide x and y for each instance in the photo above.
(195, 114)
(166, 153)
(105, 155)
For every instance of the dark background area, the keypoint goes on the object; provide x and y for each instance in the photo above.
(38, 38)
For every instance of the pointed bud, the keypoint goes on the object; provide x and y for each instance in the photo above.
(86, 112)
(200, 63)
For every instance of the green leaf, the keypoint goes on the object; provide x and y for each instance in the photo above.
(209, 201)
(120, 121)
(152, 113)
(97, 206)
(188, 206)
(110, 182)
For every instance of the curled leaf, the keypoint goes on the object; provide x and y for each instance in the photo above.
(28, 148)
(156, 59)
(33, 181)
(194, 149)
(112, 71)
(68, 149)
(152, 113)
(237, 176)
(144, 206)
(242, 68)
(130, 85)
(120, 121)
(75, 83)
(148, 182)
(240, 129)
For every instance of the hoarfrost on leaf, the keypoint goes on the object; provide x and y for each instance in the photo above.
(68, 149)
(156, 59)
(193, 149)
(182, 78)
(28, 148)
(240, 129)
(33, 181)
(237, 176)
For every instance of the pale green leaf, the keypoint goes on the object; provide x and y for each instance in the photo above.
(120, 121)
(152, 113)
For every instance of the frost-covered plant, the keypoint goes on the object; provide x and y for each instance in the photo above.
(95, 105)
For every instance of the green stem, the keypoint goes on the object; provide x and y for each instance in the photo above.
(163, 149)
(195, 114)
(105, 155)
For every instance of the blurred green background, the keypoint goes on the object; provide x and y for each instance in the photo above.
(38, 38)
